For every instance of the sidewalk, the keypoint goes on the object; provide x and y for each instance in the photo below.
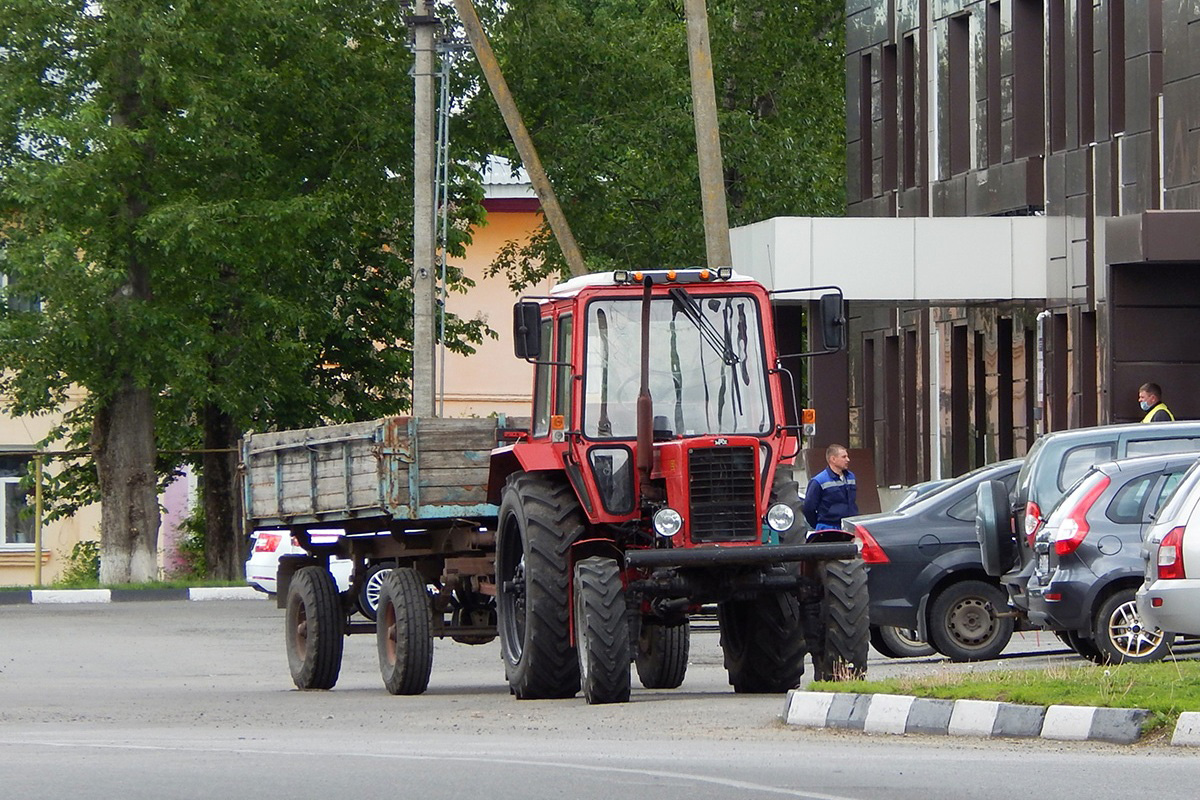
(59, 596)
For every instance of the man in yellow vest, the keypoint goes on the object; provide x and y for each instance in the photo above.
(1150, 399)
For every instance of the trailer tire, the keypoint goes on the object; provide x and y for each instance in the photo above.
(403, 634)
(662, 654)
(602, 631)
(763, 643)
(539, 520)
(845, 631)
(314, 628)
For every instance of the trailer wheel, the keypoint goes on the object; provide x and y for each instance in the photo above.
(403, 632)
(763, 643)
(662, 654)
(601, 631)
(539, 520)
(966, 622)
(844, 629)
(314, 629)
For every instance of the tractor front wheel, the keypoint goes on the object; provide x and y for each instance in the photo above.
(601, 631)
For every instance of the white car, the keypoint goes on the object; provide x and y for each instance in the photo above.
(266, 547)
(1169, 598)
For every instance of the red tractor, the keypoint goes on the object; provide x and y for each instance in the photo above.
(654, 481)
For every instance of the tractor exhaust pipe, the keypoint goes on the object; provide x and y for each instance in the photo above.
(645, 405)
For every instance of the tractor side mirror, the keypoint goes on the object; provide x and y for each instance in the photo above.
(833, 321)
(527, 330)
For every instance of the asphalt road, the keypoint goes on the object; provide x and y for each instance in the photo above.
(193, 700)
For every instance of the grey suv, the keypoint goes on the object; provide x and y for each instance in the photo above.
(1088, 562)
(1052, 466)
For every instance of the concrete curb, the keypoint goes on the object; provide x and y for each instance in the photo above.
(899, 714)
(67, 596)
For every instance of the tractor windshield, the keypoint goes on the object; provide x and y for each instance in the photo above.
(707, 373)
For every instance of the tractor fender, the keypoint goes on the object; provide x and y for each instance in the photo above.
(520, 457)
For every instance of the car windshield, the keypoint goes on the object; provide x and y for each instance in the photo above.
(707, 373)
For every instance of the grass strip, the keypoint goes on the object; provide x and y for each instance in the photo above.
(1165, 688)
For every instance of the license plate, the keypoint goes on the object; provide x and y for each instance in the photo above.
(1043, 565)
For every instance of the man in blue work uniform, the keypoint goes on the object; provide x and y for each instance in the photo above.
(832, 494)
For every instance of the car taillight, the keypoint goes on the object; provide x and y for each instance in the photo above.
(872, 553)
(1033, 519)
(1170, 556)
(267, 542)
(1074, 528)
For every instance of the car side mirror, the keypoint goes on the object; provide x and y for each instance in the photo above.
(833, 321)
(527, 330)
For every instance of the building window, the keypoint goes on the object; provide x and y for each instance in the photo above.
(1058, 74)
(959, 111)
(891, 133)
(1029, 76)
(16, 301)
(16, 525)
(1087, 77)
(1116, 66)
(909, 89)
(995, 147)
(865, 144)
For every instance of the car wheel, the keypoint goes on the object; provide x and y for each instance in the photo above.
(965, 622)
(368, 595)
(1120, 636)
(894, 642)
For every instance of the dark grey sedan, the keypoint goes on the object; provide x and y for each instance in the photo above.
(1089, 564)
(927, 574)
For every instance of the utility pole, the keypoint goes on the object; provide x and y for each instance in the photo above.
(424, 356)
(708, 137)
(520, 136)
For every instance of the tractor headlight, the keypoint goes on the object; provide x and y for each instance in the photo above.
(781, 517)
(667, 522)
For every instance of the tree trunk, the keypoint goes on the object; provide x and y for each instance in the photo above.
(124, 450)
(223, 556)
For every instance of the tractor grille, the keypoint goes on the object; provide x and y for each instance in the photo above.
(721, 490)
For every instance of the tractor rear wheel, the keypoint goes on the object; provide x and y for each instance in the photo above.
(845, 632)
(403, 632)
(314, 628)
(763, 642)
(662, 654)
(539, 520)
(601, 631)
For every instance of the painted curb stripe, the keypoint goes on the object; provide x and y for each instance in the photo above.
(888, 713)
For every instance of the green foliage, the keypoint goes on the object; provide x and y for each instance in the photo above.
(83, 566)
(604, 89)
(212, 203)
(191, 546)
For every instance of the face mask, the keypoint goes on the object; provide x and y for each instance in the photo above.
(1145, 406)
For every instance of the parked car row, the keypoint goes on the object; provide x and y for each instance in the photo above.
(950, 570)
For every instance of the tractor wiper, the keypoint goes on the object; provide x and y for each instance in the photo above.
(688, 306)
